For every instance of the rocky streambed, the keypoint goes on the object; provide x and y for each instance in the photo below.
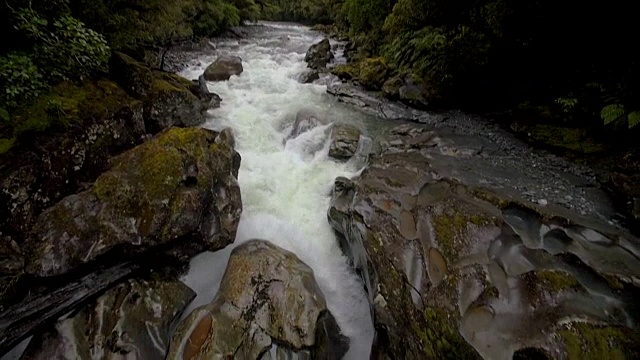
(305, 218)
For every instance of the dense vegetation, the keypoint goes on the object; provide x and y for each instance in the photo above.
(46, 42)
(567, 61)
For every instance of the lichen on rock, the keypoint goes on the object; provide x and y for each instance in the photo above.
(179, 185)
(268, 300)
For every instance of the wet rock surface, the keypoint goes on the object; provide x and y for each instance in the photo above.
(459, 259)
(344, 141)
(269, 305)
(308, 76)
(319, 55)
(130, 321)
(223, 68)
(179, 186)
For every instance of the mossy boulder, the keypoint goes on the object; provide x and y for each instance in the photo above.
(319, 55)
(64, 141)
(132, 320)
(391, 87)
(223, 68)
(373, 73)
(171, 102)
(409, 89)
(454, 269)
(346, 71)
(135, 78)
(268, 302)
(180, 188)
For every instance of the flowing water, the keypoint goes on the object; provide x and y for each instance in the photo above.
(285, 185)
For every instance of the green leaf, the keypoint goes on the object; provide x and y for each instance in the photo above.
(4, 115)
(611, 113)
(634, 119)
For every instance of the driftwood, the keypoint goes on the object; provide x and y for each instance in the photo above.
(21, 320)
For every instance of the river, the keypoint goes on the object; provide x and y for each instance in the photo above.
(285, 185)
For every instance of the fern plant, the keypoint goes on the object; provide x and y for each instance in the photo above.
(613, 112)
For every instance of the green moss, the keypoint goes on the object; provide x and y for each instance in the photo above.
(440, 336)
(68, 104)
(557, 280)
(613, 282)
(346, 71)
(159, 169)
(586, 342)
(166, 82)
(449, 228)
(574, 139)
(6, 145)
(373, 72)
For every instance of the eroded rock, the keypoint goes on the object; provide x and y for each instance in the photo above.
(344, 141)
(223, 68)
(319, 55)
(268, 302)
(457, 264)
(181, 185)
(130, 321)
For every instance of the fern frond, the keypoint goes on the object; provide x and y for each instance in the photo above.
(634, 119)
(611, 113)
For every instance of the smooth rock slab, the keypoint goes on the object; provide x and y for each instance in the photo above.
(268, 302)
(131, 321)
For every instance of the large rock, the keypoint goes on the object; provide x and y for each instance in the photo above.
(344, 141)
(223, 68)
(458, 264)
(319, 55)
(409, 89)
(38, 173)
(130, 321)
(180, 187)
(268, 303)
(135, 78)
(172, 102)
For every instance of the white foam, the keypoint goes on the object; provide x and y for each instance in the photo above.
(285, 187)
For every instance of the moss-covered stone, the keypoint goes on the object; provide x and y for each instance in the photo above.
(441, 338)
(373, 72)
(68, 104)
(131, 75)
(346, 71)
(573, 139)
(557, 280)
(585, 341)
(173, 186)
(268, 298)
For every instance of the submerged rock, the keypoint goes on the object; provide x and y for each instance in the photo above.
(319, 55)
(268, 303)
(305, 121)
(223, 68)
(344, 141)
(308, 76)
(457, 263)
(179, 186)
(130, 321)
